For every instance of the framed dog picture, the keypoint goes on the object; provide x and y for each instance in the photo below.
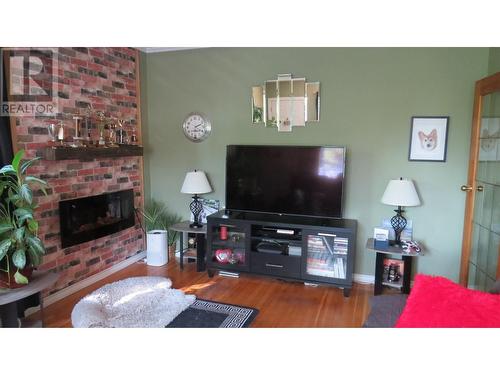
(428, 138)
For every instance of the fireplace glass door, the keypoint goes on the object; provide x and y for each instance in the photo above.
(88, 218)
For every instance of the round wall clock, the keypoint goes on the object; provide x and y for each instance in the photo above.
(196, 127)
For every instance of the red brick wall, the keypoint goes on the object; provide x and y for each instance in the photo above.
(106, 78)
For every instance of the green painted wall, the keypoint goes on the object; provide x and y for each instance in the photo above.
(494, 61)
(367, 98)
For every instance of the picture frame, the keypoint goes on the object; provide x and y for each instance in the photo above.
(428, 138)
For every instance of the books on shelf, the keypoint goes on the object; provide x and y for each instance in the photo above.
(325, 256)
(335, 246)
(335, 268)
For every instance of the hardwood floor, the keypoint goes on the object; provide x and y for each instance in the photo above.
(280, 303)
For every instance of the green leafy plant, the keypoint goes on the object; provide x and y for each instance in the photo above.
(19, 241)
(157, 216)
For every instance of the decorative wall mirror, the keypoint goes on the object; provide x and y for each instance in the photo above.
(270, 103)
(257, 104)
(312, 101)
(286, 102)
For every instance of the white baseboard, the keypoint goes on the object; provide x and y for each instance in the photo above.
(92, 279)
(363, 279)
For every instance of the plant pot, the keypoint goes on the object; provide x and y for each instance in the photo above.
(27, 272)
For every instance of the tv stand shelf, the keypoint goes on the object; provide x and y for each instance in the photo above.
(307, 249)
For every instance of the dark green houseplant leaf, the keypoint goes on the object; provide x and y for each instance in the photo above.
(26, 193)
(35, 257)
(5, 227)
(33, 226)
(7, 169)
(4, 247)
(19, 258)
(19, 234)
(36, 244)
(23, 214)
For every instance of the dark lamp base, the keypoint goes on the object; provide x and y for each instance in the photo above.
(196, 207)
(398, 222)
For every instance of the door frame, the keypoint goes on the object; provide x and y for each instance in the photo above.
(483, 87)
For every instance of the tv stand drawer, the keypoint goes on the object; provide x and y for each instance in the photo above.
(275, 264)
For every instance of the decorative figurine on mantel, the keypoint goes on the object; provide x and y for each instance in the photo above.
(87, 136)
(60, 133)
(77, 138)
(112, 134)
(133, 138)
(121, 132)
(53, 133)
(101, 116)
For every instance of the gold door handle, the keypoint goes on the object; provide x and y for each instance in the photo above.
(466, 188)
(480, 188)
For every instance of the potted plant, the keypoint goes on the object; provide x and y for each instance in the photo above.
(157, 220)
(20, 247)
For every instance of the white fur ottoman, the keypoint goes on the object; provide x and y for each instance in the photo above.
(146, 302)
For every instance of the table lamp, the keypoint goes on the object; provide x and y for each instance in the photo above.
(400, 193)
(196, 182)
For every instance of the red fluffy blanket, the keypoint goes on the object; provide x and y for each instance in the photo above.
(436, 302)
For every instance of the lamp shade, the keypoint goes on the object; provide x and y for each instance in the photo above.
(196, 183)
(400, 193)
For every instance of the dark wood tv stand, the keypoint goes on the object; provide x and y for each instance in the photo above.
(308, 249)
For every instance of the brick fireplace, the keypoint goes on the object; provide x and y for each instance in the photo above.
(107, 78)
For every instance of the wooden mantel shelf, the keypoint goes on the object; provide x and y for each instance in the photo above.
(90, 153)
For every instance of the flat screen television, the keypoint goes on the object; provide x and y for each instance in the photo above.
(291, 180)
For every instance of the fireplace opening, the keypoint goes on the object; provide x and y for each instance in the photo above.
(89, 218)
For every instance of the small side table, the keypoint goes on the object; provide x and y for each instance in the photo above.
(407, 258)
(183, 227)
(13, 302)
